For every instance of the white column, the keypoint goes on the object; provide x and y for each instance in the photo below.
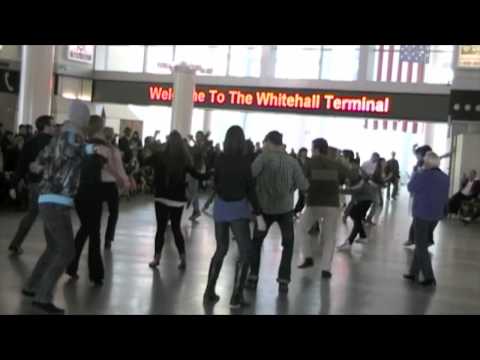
(364, 63)
(36, 82)
(207, 121)
(267, 69)
(182, 106)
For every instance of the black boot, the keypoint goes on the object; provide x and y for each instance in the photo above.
(241, 272)
(213, 272)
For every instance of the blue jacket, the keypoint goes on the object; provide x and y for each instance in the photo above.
(430, 194)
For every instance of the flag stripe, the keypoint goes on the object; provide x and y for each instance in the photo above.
(391, 49)
(409, 72)
(399, 74)
(380, 62)
(421, 73)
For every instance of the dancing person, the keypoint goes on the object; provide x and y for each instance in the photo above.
(235, 189)
(171, 167)
(430, 197)
(45, 130)
(303, 159)
(392, 171)
(89, 201)
(199, 155)
(363, 195)
(278, 176)
(110, 191)
(325, 174)
(60, 162)
(377, 181)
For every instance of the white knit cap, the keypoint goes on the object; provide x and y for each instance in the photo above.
(79, 114)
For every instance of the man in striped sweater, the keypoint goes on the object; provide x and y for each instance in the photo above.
(278, 176)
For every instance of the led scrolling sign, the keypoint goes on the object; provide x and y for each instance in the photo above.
(272, 99)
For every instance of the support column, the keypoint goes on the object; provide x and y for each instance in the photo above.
(36, 82)
(268, 61)
(182, 105)
(207, 121)
(364, 64)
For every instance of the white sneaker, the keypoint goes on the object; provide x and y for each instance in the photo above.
(344, 247)
(362, 241)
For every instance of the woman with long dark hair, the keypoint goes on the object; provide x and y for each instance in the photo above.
(235, 191)
(171, 167)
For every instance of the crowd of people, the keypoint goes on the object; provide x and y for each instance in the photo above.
(79, 165)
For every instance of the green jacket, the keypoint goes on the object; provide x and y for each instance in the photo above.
(326, 175)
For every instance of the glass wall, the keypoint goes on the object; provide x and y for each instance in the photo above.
(340, 62)
(128, 58)
(297, 62)
(214, 57)
(157, 54)
(245, 61)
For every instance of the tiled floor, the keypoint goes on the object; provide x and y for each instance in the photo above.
(367, 281)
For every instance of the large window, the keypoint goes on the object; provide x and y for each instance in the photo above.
(128, 58)
(326, 62)
(158, 54)
(297, 62)
(213, 57)
(340, 62)
(437, 70)
(245, 61)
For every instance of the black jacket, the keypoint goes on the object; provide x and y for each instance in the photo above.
(91, 174)
(167, 187)
(29, 153)
(234, 180)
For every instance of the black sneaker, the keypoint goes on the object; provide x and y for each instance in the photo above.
(306, 264)
(15, 250)
(97, 283)
(409, 277)
(430, 282)
(48, 308)
(210, 298)
(28, 293)
(326, 274)
(108, 245)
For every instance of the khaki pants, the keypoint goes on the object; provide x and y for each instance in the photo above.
(329, 230)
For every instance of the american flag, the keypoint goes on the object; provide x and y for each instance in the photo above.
(391, 59)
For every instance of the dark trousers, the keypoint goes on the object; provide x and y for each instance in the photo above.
(163, 213)
(59, 252)
(111, 197)
(423, 234)
(394, 183)
(285, 221)
(357, 213)
(411, 234)
(29, 218)
(300, 203)
(241, 233)
(90, 214)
